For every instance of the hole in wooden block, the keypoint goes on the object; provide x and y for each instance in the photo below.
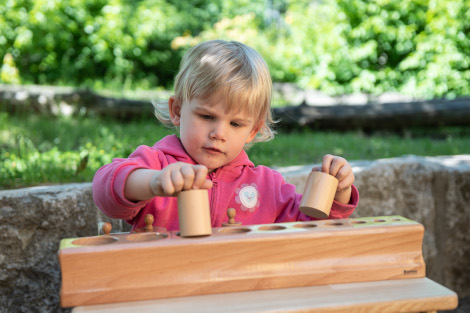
(234, 230)
(396, 219)
(146, 237)
(379, 221)
(358, 222)
(189, 237)
(305, 225)
(272, 227)
(94, 241)
(334, 224)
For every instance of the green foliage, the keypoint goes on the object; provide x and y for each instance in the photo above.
(35, 151)
(9, 72)
(39, 150)
(420, 48)
(415, 47)
(78, 42)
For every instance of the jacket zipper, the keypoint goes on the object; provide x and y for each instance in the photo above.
(213, 199)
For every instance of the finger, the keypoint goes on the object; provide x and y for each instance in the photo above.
(347, 181)
(200, 178)
(343, 172)
(337, 164)
(177, 180)
(158, 191)
(326, 162)
(207, 184)
(188, 175)
(316, 169)
(166, 184)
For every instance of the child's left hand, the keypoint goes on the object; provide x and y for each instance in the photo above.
(342, 170)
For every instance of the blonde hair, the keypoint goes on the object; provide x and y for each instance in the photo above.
(233, 70)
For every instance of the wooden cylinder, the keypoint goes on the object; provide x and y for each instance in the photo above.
(194, 213)
(318, 195)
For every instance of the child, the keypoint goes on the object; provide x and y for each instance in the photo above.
(221, 104)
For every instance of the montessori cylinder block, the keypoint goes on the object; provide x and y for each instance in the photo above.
(318, 195)
(194, 213)
(101, 269)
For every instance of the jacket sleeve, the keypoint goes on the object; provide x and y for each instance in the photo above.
(339, 210)
(109, 180)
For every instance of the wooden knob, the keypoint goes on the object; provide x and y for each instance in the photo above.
(231, 215)
(149, 222)
(231, 218)
(106, 228)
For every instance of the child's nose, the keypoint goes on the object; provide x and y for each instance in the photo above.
(218, 132)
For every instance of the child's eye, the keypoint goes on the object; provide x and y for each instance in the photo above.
(234, 124)
(205, 116)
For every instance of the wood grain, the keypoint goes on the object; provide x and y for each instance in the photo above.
(244, 258)
(405, 295)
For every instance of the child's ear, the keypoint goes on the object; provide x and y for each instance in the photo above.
(254, 131)
(175, 110)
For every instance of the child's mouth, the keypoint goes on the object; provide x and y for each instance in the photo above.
(213, 150)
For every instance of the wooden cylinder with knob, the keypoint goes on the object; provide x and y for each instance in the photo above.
(318, 195)
(194, 213)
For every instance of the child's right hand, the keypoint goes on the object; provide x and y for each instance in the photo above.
(177, 177)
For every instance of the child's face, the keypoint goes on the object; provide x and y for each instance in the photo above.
(212, 136)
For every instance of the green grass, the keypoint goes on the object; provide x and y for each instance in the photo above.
(309, 146)
(46, 150)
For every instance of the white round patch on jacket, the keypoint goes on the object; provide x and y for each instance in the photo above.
(248, 196)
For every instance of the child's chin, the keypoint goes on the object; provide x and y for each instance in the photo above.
(210, 166)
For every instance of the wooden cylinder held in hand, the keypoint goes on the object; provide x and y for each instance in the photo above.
(194, 213)
(318, 195)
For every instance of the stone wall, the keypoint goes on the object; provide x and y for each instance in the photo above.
(32, 223)
(433, 191)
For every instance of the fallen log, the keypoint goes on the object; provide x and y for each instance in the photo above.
(377, 116)
(52, 100)
(372, 116)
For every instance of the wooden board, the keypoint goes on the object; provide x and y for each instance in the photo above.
(128, 267)
(405, 295)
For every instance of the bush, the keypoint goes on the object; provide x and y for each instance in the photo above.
(113, 42)
(419, 48)
(415, 47)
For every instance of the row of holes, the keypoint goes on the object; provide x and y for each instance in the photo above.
(229, 230)
(279, 227)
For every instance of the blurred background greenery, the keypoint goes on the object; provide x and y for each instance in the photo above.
(418, 48)
(36, 150)
(414, 47)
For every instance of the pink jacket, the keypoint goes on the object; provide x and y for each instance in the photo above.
(259, 194)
